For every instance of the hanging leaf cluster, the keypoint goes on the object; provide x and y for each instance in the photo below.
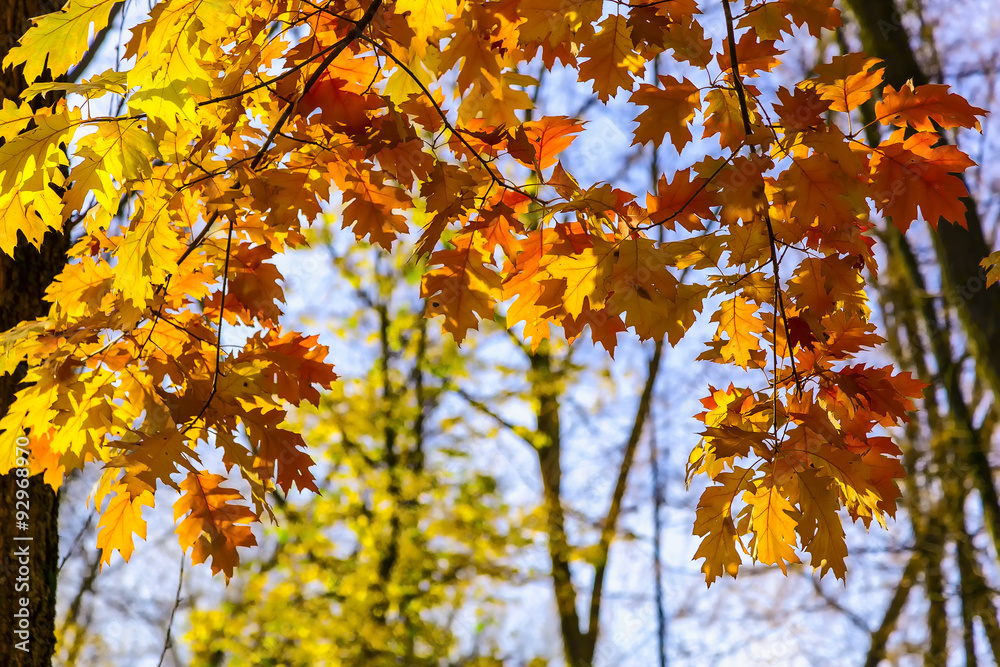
(231, 123)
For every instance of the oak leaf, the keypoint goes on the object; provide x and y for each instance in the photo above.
(922, 106)
(738, 319)
(611, 63)
(464, 287)
(671, 106)
(714, 523)
(59, 40)
(213, 526)
(773, 526)
(120, 521)
(847, 81)
(911, 173)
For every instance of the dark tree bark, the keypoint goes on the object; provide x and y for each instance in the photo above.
(23, 279)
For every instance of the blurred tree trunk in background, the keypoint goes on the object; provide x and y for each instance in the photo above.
(945, 449)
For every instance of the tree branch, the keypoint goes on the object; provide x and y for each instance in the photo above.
(614, 510)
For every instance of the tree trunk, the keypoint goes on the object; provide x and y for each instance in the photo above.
(29, 566)
(545, 393)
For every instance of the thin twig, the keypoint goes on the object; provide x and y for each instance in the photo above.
(168, 640)
(218, 342)
(747, 128)
(451, 127)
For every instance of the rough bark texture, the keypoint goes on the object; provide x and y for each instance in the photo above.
(23, 280)
(959, 250)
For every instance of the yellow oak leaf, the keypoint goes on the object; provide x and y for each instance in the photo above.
(714, 523)
(611, 63)
(85, 413)
(168, 74)
(425, 18)
(853, 477)
(820, 527)
(15, 117)
(578, 277)
(29, 162)
(992, 266)
(773, 527)
(120, 521)
(19, 342)
(738, 319)
(118, 153)
(147, 253)
(57, 41)
(93, 88)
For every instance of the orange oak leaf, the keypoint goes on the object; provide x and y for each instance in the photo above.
(464, 287)
(848, 81)
(724, 118)
(213, 526)
(771, 18)
(820, 528)
(604, 327)
(278, 449)
(295, 365)
(253, 290)
(800, 109)
(671, 106)
(545, 139)
(687, 199)
(819, 191)
(753, 55)
(523, 286)
(925, 105)
(911, 173)
(687, 39)
(371, 209)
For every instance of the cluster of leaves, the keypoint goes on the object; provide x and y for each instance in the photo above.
(238, 119)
